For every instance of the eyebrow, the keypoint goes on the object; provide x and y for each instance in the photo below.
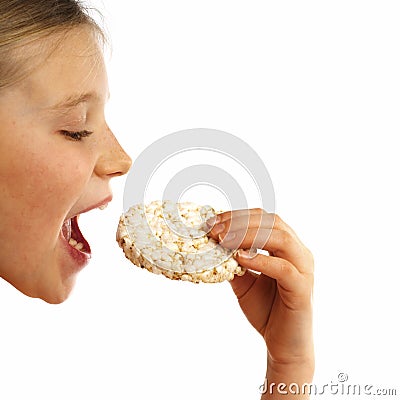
(75, 100)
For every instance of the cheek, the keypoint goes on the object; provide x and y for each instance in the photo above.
(59, 183)
(47, 180)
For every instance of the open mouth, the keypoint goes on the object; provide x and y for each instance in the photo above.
(72, 234)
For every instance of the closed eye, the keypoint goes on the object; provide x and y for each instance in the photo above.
(76, 136)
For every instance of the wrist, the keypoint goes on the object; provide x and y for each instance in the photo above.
(288, 380)
(299, 369)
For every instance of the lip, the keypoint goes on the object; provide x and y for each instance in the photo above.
(97, 205)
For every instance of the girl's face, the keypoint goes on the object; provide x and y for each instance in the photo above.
(57, 156)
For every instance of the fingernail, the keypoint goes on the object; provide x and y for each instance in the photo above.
(229, 236)
(219, 228)
(211, 221)
(251, 253)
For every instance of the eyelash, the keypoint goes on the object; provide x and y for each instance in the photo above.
(76, 136)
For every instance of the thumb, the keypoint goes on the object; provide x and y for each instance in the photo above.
(242, 284)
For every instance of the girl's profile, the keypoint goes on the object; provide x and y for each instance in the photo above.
(58, 155)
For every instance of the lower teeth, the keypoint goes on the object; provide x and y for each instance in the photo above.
(75, 244)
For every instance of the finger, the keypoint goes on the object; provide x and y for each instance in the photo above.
(251, 238)
(236, 219)
(253, 212)
(243, 221)
(277, 268)
(222, 217)
(279, 243)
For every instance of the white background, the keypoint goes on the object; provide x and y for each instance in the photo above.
(314, 87)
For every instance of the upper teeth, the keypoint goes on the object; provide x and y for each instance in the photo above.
(103, 206)
(66, 229)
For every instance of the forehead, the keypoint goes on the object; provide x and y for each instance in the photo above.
(75, 66)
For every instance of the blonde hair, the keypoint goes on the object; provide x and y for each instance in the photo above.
(27, 22)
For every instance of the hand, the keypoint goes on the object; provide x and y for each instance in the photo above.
(277, 300)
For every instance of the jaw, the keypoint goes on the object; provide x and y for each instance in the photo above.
(45, 280)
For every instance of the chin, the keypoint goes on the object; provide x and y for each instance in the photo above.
(52, 293)
(59, 294)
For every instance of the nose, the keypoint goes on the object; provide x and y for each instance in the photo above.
(113, 161)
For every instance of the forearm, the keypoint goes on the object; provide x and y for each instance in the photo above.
(289, 381)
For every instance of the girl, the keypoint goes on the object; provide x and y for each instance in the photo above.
(57, 156)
